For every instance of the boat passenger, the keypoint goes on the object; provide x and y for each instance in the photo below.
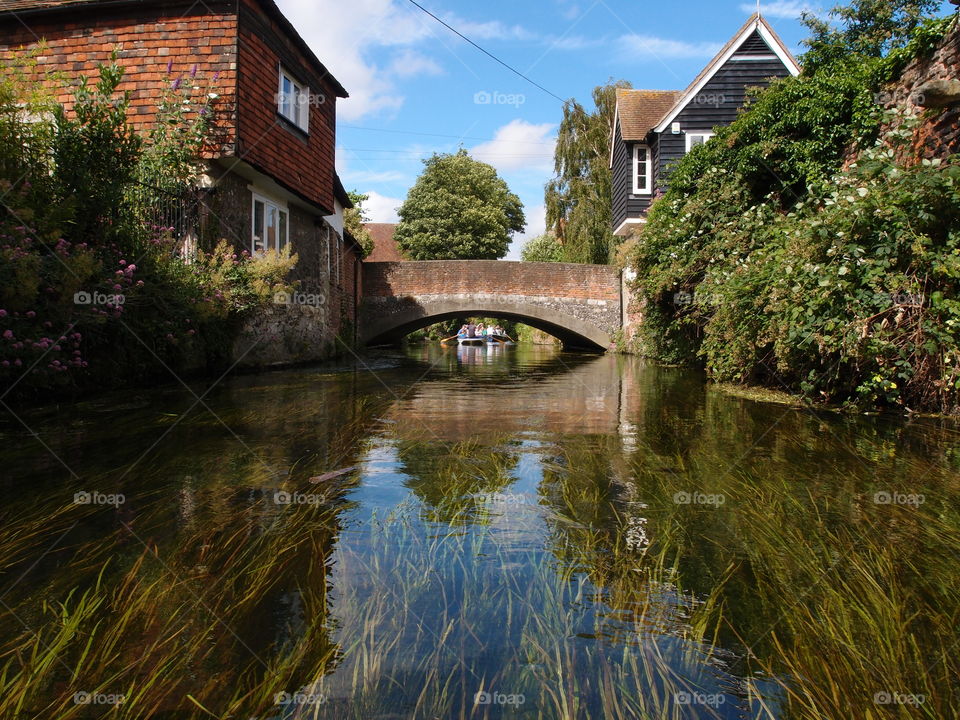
(462, 332)
(471, 330)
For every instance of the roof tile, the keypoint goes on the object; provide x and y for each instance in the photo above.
(642, 110)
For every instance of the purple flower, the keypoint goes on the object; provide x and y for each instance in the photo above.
(175, 85)
(3, 313)
(216, 76)
(8, 334)
(31, 314)
(170, 66)
(193, 72)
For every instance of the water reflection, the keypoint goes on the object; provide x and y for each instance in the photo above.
(445, 532)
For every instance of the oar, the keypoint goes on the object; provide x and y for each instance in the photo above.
(452, 337)
(499, 340)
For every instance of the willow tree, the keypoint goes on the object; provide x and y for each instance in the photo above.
(578, 198)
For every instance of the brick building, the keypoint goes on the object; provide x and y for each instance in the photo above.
(385, 248)
(271, 179)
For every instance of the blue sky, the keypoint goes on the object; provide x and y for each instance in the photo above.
(416, 88)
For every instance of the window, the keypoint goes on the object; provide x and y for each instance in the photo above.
(642, 170)
(270, 226)
(293, 101)
(697, 138)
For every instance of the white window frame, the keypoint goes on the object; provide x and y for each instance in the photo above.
(297, 111)
(705, 134)
(636, 170)
(283, 223)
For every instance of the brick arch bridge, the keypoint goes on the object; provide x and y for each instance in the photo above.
(579, 304)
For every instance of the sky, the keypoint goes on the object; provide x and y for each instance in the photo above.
(416, 88)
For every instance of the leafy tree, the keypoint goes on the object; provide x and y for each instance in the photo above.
(459, 208)
(353, 220)
(866, 27)
(578, 198)
(542, 248)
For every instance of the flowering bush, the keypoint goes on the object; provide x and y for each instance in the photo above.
(768, 262)
(91, 291)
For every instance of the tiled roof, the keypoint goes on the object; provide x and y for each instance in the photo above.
(38, 4)
(642, 110)
(384, 246)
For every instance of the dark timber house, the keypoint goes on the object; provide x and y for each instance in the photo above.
(654, 128)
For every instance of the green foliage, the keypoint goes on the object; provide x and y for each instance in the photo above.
(353, 220)
(542, 248)
(90, 292)
(578, 198)
(870, 28)
(459, 208)
(767, 262)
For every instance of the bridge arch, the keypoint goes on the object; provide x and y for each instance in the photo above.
(579, 304)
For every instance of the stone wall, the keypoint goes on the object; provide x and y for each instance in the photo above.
(284, 335)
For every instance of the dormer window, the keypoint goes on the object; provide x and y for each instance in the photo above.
(293, 101)
(642, 170)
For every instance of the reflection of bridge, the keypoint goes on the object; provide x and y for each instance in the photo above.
(579, 304)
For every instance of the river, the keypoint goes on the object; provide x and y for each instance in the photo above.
(476, 533)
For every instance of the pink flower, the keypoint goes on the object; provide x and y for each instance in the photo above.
(3, 313)
(8, 334)
(31, 314)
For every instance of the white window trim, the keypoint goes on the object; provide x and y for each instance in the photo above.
(301, 101)
(280, 206)
(706, 134)
(636, 162)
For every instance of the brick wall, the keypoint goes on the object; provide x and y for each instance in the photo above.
(148, 38)
(302, 162)
(430, 277)
(939, 134)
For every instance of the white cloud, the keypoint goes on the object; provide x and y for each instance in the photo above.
(648, 46)
(342, 41)
(380, 208)
(782, 9)
(409, 63)
(492, 30)
(519, 145)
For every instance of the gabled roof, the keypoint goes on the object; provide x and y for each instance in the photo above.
(639, 111)
(754, 24)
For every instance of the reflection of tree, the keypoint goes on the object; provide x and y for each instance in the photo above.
(448, 477)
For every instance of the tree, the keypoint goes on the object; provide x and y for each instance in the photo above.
(866, 27)
(459, 208)
(353, 220)
(542, 248)
(578, 198)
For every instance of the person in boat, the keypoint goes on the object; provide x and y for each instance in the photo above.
(471, 330)
(463, 331)
(481, 330)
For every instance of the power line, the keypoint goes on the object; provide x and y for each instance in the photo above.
(426, 134)
(424, 152)
(489, 54)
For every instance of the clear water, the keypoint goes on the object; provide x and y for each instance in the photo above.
(459, 532)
